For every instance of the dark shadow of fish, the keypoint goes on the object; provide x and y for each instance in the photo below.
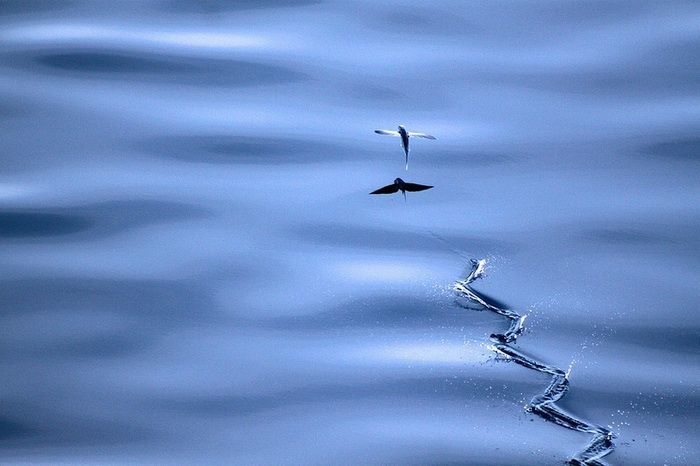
(401, 185)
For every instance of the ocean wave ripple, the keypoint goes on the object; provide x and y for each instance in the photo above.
(543, 405)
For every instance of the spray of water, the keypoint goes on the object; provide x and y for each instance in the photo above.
(544, 405)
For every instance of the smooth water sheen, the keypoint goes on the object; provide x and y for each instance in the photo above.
(193, 271)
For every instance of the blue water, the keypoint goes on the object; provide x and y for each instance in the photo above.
(193, 271)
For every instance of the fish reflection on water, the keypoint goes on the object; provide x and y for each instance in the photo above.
(193, 272)
(401, 185)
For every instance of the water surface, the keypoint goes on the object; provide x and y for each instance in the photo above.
(193, 271)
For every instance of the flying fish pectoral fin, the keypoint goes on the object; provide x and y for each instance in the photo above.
(413, 187)
(388, 189)
(421, 135)
(384, 132)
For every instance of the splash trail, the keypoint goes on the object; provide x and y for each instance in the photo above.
(544, 405)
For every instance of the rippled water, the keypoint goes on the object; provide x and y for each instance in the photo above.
(193, 271)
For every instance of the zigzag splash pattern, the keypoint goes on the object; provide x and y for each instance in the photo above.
(544, 405)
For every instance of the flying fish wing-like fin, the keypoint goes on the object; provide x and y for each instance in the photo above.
(421, 135)
(388, 189)
(384, 132)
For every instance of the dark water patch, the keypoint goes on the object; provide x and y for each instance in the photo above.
(74, 429)
(663, 400)
(157, 68)
(641, 78)
(420, 21)
(227, 149)
(164, 303)
(11, 430)
(98, 347)
(680, 149)
(663, 236)
(40, 224)
(633, 79)
(674, 64)
(433, 388)
(501, 23)
(10, 108)
(625, 236)
(386, 312)
(219, 6)
(591, 11)
(479, 24)
(147, 309)
(92, 221)
(671, 69)
(119, 216)
(33, 7)
(375, 238)
(681, 340)
(96, 62)
(92, 342)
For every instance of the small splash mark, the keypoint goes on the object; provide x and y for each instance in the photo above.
(543, 405)
(571, 367)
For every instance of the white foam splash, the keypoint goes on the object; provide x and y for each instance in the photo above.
(543, 405)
